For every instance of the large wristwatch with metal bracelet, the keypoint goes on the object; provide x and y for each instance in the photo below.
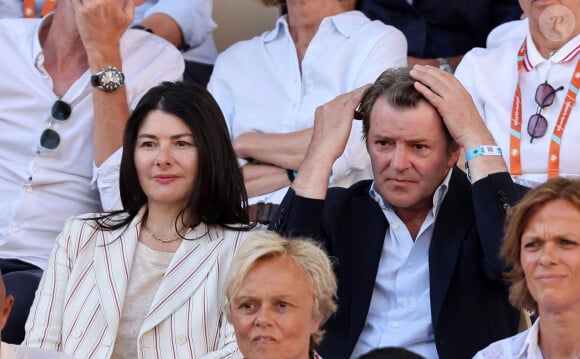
(108, 79)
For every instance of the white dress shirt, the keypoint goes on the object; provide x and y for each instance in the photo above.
(39, 191)
(261, 87)
(491, 76)
(507, 32)
(400, 310)
(523, 345)
(194, 18)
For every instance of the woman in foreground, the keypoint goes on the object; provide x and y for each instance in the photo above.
(279, 293)
(146, 282)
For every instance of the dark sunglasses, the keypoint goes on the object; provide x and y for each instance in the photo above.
(537, 124)
(50, 139)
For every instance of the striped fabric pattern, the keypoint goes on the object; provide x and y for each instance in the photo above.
(79, 300)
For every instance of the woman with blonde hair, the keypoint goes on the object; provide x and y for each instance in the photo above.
(279, 293)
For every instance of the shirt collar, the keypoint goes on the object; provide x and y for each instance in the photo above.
(438, 195)
(37, 53)
(346, 23)
(530, 346)
(566, 53)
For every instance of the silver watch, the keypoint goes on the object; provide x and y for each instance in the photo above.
(444, 65)
(108, 79)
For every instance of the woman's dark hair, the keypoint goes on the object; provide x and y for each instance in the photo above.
(218, 196)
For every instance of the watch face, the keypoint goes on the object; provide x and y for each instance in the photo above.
(111, 79)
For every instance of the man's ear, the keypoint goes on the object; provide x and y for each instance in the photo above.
(5, 310)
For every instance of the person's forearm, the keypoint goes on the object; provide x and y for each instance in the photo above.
(164, 26)
(101, 26)
(284, 150)
(314, 173)
(111, 112)
(482, 166)
(262, 179)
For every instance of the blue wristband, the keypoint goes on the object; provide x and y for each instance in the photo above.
(483, 150)
(291, 174)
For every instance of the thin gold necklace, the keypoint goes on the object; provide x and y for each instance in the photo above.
(159, 239)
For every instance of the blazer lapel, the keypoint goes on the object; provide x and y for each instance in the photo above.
(112, 262)
(186, 272)
(369, 226)
(454, 220)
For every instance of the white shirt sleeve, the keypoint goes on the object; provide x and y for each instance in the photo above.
(192, 16)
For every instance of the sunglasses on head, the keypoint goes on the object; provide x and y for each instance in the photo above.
(50, 139)
(537, 124)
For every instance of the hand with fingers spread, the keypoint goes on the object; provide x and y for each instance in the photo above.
(456, 107)
(453, 103)
(332, 127)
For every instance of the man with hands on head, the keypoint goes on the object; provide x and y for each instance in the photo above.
(68, 82)
(418, 246)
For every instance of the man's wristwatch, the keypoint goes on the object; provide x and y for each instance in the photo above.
(444, 65)
(108, 79)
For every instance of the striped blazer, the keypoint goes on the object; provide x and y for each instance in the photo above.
(79, 301)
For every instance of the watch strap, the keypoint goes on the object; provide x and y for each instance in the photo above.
(95, 82)
(96, 79)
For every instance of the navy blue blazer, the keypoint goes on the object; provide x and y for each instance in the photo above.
(442, 28)
(469, 300)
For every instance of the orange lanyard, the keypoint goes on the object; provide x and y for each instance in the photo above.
(28, 10)
(516, 123)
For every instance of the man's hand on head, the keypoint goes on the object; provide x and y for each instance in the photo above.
(332, 126)
(454, 104)
(461, 117)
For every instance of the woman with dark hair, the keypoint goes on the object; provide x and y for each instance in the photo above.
(148, 281)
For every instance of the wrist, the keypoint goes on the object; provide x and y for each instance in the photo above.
(478, 151)
(100, 58)
(482, 150)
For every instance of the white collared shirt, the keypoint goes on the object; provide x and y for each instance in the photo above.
(193, 17)
(491, 76)
(523, 345)
(400, 310)
(261, 87)
(40, 191)
(194, 20)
